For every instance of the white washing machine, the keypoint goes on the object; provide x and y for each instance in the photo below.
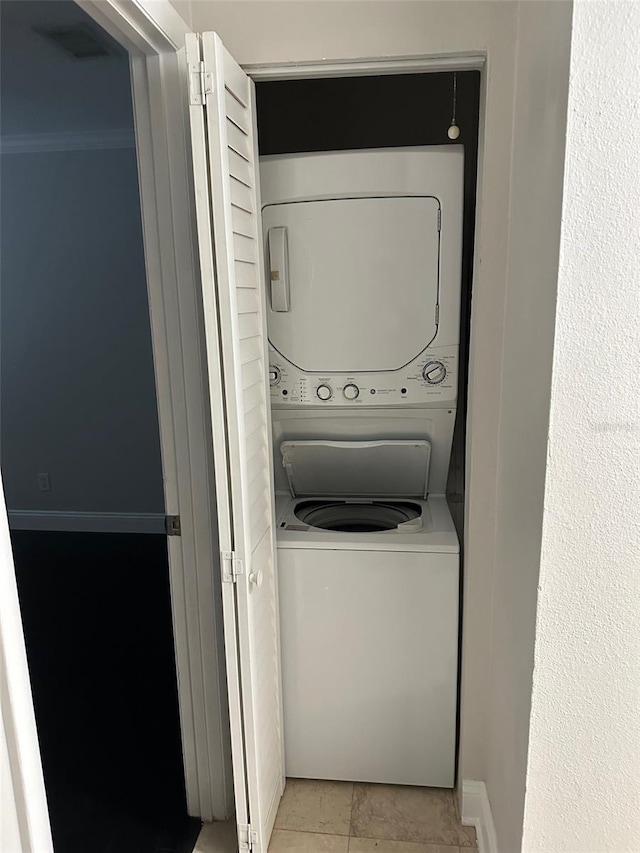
(368, 573)
(363, 261)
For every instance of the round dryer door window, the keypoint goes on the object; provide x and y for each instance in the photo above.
(356, 517)
(361, 285)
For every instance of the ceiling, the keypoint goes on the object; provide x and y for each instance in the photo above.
(45, 90)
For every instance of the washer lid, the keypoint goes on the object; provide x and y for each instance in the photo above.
(357, 468)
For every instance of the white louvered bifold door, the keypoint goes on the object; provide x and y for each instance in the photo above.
(229, 234)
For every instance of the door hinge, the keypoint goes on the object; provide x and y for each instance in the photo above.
(246, 837)
(172, 525)
(231, 566)
(200, 83)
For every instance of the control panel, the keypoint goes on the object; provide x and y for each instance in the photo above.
(432, 378)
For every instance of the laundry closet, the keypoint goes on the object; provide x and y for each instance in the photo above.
(335, 221)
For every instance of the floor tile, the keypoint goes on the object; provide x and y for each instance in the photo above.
(399, 813)
(221, 837)
(315, 806)
(374, 845)
(307, 842)
(456, 803)
(467, 837)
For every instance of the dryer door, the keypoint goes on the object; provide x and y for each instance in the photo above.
(353, 283)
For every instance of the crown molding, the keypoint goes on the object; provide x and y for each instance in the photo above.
(82, 140)
(474, 61)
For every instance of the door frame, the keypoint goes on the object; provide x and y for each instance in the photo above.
(373, 66)
(394, 65)
(24, 815)
(153, 33)
(469, 60)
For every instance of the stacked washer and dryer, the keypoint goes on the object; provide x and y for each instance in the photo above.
(363, 276)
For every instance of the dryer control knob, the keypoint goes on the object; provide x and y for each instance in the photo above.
(274, 375)
(434, 372)
(351, 391)
(324, 392)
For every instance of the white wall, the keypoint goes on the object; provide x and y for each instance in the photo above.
(583, 786)
(540, 106)
(183, 8)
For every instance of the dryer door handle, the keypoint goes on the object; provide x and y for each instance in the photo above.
(278, 268)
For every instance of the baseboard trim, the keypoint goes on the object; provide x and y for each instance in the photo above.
(87, 522)
(476, 811)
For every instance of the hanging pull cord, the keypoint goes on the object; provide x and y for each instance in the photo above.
(454, 130)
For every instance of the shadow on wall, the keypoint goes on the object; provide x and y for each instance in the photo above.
(78, 388)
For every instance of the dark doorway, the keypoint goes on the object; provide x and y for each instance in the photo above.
(80, 439)
(97, 620)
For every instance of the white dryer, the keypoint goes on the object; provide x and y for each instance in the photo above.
(363, 259)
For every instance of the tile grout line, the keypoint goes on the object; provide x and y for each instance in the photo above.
(404, 841)
(423, 843)
(353, 794)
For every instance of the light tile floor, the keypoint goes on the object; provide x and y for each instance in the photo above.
(347, 817)
(219, 837)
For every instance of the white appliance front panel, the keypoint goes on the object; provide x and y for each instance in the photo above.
(362, 281)
(429, 380)
(369, 665)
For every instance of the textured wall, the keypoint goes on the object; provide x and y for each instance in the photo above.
(582, 784)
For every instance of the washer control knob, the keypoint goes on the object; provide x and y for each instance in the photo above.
(351, 391)
(324, 392)
(274, 375)
(434, 372)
